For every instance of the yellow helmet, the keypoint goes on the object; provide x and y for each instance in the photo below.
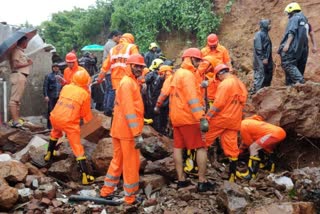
(292, 7)
(152, 45)
(155, 64)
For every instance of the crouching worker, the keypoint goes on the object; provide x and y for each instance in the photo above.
(73, 104)
(126, 133)
(259, 137)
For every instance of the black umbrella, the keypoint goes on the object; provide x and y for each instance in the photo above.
(10, 43)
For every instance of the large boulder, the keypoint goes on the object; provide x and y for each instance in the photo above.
(13, 171)
(102, 155)
(8, 195)
(156, 148)
(293, 108)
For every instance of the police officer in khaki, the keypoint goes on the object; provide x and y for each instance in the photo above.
(20, 67)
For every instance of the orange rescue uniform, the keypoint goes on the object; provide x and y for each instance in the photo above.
(165, 90)
(186, 107)
(225, 114)
(68, 73)
(73, 103)
(266, 135)
(127, 124)
(116, 61)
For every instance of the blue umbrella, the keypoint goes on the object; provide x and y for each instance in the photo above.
(8, 45)
(93, 47)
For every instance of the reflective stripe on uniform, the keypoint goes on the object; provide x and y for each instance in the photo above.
(133, 125)
(210, 114)
(110, 184)
(130, 193)
(130, 186)
(193, 101)
(196, 109)
(214, 109)
(111, 177)
(131, 116)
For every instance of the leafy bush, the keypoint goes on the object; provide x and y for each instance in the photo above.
(145, 19)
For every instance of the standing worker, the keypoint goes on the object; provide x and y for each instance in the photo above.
(73, 104)
(151, 54)
(294, 48)
(109, 94)
(126, 133)
(187, 117)
(72, 67)
(51, 90)
(225, 115)
(218, 51)
(259, 137)
(20, 70)
(116, 61)
(262, 57)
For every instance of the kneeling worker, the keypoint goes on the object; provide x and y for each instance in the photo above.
(73, 104)
(259, 137)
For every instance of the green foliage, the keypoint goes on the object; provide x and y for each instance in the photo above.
(77, 27)
(145, 19)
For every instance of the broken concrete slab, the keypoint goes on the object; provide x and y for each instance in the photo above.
(36, 142)
(97, 128)
(18, 141)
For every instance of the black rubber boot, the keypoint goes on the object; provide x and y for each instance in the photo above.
(253, 167)
(85, 177)
(51, 148)
(270, 163)
(232, 169)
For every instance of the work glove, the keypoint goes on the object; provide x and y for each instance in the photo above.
(156, 110)
(99, 80)
(138, 140)
(204, 125)
(204, 84)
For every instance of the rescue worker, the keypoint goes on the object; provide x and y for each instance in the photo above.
(161, 108)
(262, 57)
(116, 61)
(113, 40)
(72, 67)
(294, 48)
(151, 54)
(215, 49)
(126, 133)
(225, 115)
(154, 84)
(73, 104)
(187, 118)
(259, 136)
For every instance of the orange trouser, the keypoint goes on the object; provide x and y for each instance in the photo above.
(73, 134)
(269, 141)
(229, 140)
(125, 159)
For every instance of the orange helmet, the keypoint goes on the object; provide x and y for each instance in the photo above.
(192, 52)
(212, 39)
(219, 68)
(129, 37)
(71, 57)
(81, 78)
(165, 68)
(136, 59)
